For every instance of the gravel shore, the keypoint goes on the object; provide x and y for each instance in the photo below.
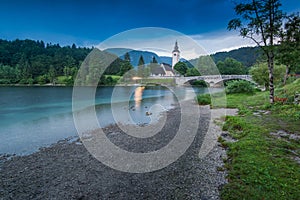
(66, 170)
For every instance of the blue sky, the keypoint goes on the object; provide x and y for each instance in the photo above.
(86, 22)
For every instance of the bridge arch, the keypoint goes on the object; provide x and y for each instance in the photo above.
(197, 79)
(236, 78)
(212, 80)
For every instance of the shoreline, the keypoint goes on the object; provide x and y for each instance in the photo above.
(67, 170)
(121, 85)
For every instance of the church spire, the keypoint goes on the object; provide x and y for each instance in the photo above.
(176, 47)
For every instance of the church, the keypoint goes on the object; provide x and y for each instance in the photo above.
(165, 69)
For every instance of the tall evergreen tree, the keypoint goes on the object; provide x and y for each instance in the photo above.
(154, 60)
(141, 61)
(127, 57)
(52, 74)
(141, 67)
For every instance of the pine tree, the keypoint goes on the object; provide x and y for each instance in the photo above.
(141, 67)
(154, 60)
(127, 57)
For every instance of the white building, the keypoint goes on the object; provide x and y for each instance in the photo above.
(165, 69)
(175, 55)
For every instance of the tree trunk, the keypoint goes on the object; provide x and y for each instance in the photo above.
(287, 70)
(271, 76)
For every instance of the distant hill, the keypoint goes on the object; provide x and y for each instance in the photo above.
(166, 59)
(246, 55)
(118, 51)
(34, 62)
(134, 55)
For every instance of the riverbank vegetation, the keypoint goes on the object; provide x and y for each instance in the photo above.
(262, 142)
(263, 161)
(266, 24)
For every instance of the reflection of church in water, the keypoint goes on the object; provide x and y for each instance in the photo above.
(165, 69)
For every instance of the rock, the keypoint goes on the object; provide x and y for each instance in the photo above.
(224, 134)
(256, 114)
(297, 99)
(294, 137)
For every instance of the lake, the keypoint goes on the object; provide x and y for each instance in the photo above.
(34, 117)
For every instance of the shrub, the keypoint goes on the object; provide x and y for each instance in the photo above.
(42, 79)
(4, 81)
(24, 81)
(235, 87)
(200, 83)
(203, 99)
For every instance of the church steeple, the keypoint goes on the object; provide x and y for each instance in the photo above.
(175, 55)
(176, 48)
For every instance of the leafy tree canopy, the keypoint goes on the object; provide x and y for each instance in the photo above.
(181, 68)
(231, 66)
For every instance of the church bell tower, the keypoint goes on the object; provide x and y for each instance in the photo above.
(175, 55)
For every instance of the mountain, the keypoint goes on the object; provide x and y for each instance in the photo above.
(118, 51)
(246, 55)
(166, 59)
(134, 55)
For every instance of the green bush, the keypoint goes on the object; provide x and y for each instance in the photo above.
(42, 79)
(203, 99)
(24, 81)
(200, 83)
(235, 87)
(4, 81)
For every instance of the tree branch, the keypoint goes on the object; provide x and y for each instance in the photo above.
(260, 24)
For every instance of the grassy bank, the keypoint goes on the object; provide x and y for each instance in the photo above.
(264, 161)
(157, 81)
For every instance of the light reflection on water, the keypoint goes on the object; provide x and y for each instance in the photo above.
(33, 117)
(138, 96)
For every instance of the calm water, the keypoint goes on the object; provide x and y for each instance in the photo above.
(33, 117)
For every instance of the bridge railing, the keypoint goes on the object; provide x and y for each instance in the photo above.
(236, 76)
(219, 77)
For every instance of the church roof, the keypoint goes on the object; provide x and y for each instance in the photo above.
(158, 70)
(167, 67)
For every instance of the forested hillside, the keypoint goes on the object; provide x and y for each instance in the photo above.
(34, 62)
(246, 55)
(27, 61)
(30, 62)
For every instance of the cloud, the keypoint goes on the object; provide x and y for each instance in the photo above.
(158, 40)
(161, 41)
(221, 41)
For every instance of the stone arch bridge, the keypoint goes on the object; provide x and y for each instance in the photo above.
(212, 80)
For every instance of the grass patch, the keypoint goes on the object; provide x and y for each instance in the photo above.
(261, 166)
(242, 100)
(114, 77)
(159, 81)
(151, 81)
